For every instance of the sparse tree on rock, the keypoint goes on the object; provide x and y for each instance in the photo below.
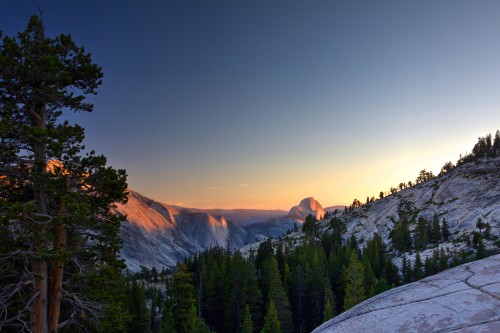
(445, 231)
(418, 271)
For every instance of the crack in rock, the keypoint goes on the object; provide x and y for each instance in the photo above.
(478, 287)
(455, 329)
(449, 308)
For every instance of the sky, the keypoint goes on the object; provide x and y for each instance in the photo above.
(258, 104)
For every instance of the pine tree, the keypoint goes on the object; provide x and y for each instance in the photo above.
(401, 236)
(278, 296)
(167, 318)
(247, 324)
(369, 277)
(443, 261)
(496, 144)
(355, 290)
(328, 312)
(252, 293)
(481, 250)
(418, 272)
(55, 207)
(271, 321)
(436, 229)
(406, 270)
(309, 225)
(445, 231)
(139, 312)
(420, 238)
(183, 298)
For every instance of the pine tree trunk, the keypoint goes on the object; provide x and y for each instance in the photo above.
(58, 269)
(39, 307)
(57, 279)
(39, 318)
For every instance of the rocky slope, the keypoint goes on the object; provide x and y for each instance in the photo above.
(460, 196)
(160, 235)
(462, 299)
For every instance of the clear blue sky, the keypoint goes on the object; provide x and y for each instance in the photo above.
(261, 103)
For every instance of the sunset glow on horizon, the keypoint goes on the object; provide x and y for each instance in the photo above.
(257, 105)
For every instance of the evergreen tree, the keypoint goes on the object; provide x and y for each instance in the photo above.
(447, 167)
(481, 250)
(436, 229)
(184, 310)
(328, 312)
(355, 290)
(369, 277)
(401, 237)
(418, 272)
(278, 296)
(109, 287)
(420, 238)
(406, 270)
(496, 144)
(139, 312)
(445, 231)
(443, 261)
(271, 321)
(167, 318)
(252, 293)
(309, 225)
(55, 208)
(247, 325)
(487, 231)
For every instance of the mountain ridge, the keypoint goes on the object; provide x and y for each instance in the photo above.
(156, 234)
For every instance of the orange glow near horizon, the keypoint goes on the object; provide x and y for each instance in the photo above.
(329, 182)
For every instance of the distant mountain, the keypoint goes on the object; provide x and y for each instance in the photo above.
(243, 217)
(160, 235)
(306, 207)
(278, 226)
(461, 299)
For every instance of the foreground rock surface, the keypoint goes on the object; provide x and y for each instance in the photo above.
(462, 299)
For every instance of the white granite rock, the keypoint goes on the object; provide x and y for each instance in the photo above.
(462, 299)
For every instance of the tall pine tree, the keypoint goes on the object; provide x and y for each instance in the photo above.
(55, 203)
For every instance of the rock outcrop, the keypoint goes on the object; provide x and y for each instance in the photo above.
(462, 299)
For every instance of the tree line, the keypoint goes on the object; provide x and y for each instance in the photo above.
(293, 288)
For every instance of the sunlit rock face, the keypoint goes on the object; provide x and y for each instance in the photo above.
(462, 299)
(307, 206)
(160, 235)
